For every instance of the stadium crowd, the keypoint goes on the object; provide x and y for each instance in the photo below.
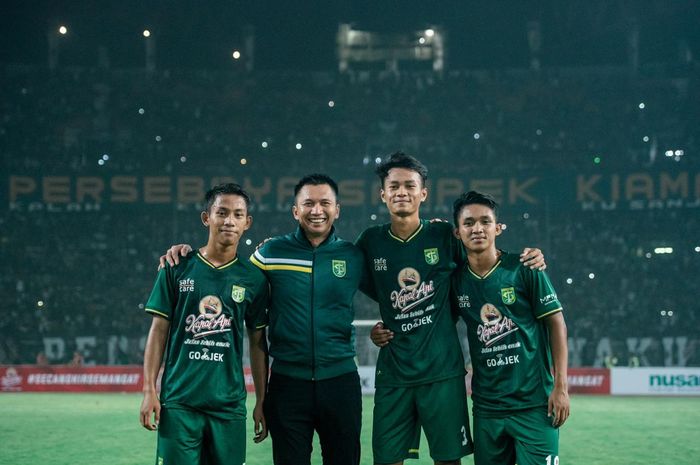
(87, 272)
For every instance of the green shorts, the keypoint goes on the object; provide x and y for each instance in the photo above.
(440, 408)
(525, 437)
(189, 437)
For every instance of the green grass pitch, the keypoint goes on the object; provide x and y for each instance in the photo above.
(103, 429)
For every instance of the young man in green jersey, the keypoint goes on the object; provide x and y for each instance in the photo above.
(199, 309)
(517, 338)
(420, 374)
(314, 384)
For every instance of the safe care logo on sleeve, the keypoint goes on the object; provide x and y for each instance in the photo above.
(412, 291)
(211, 319)
(186, 285)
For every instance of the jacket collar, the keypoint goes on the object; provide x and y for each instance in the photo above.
(301, 237)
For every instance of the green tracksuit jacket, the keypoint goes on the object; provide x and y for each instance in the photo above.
(311, 304)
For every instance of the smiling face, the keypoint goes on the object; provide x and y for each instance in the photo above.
(403, 192)
(316, 208)
(477, 228)
(227, 219)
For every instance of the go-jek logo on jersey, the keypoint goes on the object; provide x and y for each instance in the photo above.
(495, 326)
(210, 320)
(413, 292)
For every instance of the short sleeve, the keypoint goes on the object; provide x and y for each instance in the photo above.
(163, 299)
(256, 316)
(543, 297)
(366, 281)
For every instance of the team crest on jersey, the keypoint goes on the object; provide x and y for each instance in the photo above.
(431, 256)
(237, 293)
(339, 268)
(508, 295)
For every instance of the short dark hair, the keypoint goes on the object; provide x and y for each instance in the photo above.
(225, 189)
(401, 160)
(316, 179)
(471, 198)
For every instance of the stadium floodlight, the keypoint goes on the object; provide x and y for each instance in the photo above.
(141, 111)
(591, 275)
(569, 280)
(40, 303)
(183, 159)
(298, 146)
(642, 106)
(264, 144)
(331, 103)
(429, 32)
(378, 160)
(236, 54)
(697, 248)
(670, 313)
(63, 30)
(421, 40)
(146, 33)
(243, 161)
(158, 138)
(645, 138)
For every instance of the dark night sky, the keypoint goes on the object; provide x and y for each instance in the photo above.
(301, 34)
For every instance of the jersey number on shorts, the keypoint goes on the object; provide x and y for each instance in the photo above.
(554, 462)
(465, 440)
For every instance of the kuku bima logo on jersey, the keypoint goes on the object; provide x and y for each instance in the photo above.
(339, 268)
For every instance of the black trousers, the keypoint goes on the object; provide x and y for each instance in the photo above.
(294, 408)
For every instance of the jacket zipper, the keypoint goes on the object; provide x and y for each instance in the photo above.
(313, 335)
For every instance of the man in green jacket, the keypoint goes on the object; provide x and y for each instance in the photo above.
(314, 384)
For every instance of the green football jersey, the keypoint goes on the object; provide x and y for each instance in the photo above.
(410, 279)
(508, 338)
(207, 307)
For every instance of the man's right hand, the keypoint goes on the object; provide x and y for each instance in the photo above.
(172, 256)
(150, 406)
(380, 336)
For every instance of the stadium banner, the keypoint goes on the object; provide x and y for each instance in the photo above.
(589, 380)
(681, 381)
(96, 192)
(581, 380)
(64, 378)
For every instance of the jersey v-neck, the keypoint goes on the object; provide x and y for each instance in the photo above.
(414, 234)
(224, 266)
(481, 278)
